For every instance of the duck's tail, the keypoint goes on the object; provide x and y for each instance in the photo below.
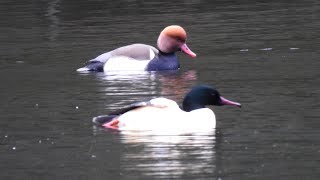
(103, 119)
(92, 65)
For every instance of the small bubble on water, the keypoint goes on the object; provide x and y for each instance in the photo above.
(77, 107)
(274, 145)
(40, 141)
(266, 49)
(13, 148)
(6, 136)
(93, 156)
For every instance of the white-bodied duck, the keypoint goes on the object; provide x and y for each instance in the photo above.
(142, 57)
(164, 114)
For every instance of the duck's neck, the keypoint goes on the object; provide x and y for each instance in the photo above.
(189, 104)
(165, 53)
(192, 107)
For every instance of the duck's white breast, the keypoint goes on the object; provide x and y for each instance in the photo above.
(167, 118)
(124, 63)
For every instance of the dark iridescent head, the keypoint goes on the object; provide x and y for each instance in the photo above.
(200, 96)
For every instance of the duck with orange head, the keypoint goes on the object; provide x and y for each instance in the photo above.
(137, 57)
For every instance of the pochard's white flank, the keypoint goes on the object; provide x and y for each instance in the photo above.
(162, 113)
(142, 57)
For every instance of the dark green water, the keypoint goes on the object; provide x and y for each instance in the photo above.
(263, 54)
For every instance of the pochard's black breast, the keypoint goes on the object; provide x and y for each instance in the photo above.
(163, 62)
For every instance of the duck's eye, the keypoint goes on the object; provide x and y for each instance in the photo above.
(180, 39)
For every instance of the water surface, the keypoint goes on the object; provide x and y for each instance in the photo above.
(263, 54)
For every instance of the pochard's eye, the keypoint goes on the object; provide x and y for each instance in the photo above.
(180, 39)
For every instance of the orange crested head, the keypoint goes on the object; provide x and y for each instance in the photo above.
(176, 32)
